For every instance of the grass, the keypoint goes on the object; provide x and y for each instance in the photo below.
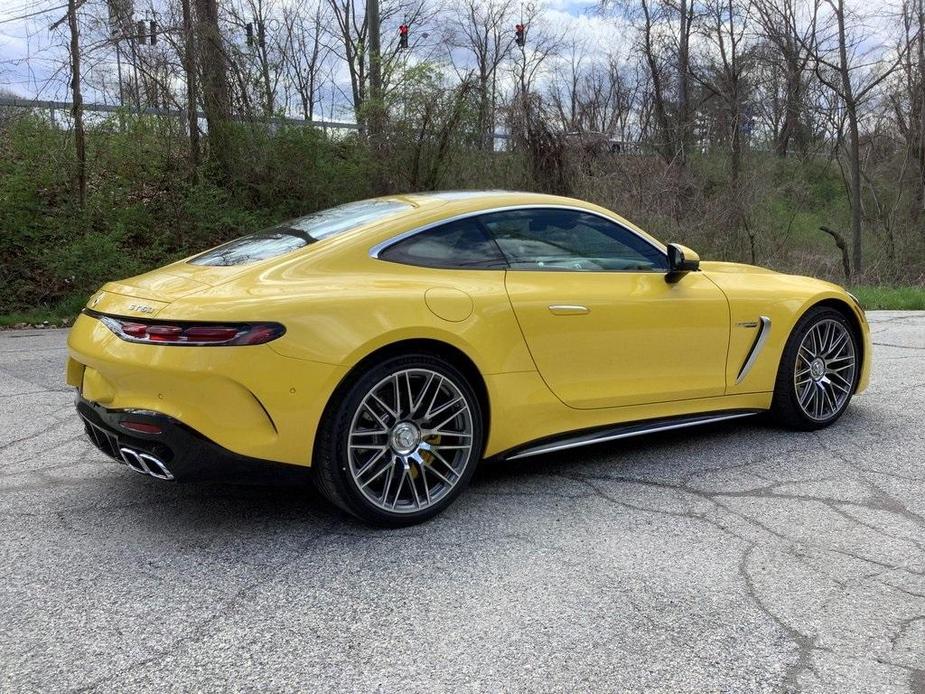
(871, 298)
(65, 310)
(9, 320)
(891, 298)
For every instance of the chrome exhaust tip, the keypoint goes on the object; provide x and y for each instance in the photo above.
(145, 463)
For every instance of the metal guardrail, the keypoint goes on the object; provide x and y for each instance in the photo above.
(176, 113)
(156, 111)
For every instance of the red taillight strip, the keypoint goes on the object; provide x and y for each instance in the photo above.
(189, 334)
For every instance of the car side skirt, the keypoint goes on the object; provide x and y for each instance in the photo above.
(621, 431)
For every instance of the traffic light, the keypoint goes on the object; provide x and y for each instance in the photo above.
(249, 30)
(153, 26)
(520, 34)
(403, 36)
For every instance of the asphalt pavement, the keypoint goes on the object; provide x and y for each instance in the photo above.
(736, 557)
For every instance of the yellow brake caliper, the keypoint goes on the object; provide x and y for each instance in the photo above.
(426, 456)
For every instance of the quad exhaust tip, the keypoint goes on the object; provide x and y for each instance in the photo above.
(145, 463)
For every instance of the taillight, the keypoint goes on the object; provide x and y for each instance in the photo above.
(189, 334)
(163, 333)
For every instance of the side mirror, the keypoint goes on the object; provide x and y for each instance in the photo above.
(681, 260)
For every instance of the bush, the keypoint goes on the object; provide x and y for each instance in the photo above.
(145, 207)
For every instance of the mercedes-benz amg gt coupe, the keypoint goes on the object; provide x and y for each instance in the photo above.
(391, 344)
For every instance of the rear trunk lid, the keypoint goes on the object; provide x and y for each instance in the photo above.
(147, 294)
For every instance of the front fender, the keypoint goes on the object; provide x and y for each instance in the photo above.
(783, 299)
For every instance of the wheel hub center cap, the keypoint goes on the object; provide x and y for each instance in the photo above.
(817, 369)
(405, 437)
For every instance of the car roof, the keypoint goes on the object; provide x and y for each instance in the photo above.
(490, 197)
(454, 202)
(434, 207)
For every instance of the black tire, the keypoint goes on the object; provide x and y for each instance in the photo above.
(786, 407)
(331, 464)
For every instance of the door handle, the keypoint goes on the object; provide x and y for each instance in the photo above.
(568, 310)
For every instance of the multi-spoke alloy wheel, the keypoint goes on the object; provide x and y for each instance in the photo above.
(403, 443)
(410, 440)
(824, 371)
(818, 371)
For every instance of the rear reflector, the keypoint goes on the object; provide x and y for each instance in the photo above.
(189, 334)
(141, 427)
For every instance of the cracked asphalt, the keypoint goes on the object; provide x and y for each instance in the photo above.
(737, 557)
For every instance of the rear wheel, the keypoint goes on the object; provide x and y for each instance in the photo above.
(818, 371)
(402, 442)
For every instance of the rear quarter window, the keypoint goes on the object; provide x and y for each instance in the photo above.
(298, 233)
(250, 249)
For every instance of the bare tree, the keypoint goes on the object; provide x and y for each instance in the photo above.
(908, 96)
(192, 98)
(306, 53)
(484, 33)
(216, 98)
(725, 71)
(657, 57)
(598, 98)
(848, 72)
(686, 21)
(565, 87)
(529, 61)
(787, 26)
(77, 112)
(350, 32)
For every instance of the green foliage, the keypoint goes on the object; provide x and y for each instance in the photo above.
(146, 207)
(143, 206)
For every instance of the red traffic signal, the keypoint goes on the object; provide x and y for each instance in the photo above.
(520, 33)
(403, 36)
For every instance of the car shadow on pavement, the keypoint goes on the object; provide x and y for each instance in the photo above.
(293, 502)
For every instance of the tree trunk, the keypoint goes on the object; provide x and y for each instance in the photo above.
(215, 92)
(77, 108)
(792, 107)
(920, 99)
(269, 102)
(661, 114)
(854, 163)
(843, 247)
(486, 141)
(854, 145)
(684, 82)
(375, 72)
(189, 66)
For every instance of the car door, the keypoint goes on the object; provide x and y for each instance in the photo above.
(603, 326)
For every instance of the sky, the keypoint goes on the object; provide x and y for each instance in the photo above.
(31, 55)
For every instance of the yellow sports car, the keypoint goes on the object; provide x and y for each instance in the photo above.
(391, 344)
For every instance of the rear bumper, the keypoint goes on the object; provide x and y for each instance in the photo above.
(247, 399)
(177, 453)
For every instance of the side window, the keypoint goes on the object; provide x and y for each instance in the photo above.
(554, 239)
(460, 244)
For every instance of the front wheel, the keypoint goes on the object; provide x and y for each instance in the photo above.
(401, 443)
(818, 371)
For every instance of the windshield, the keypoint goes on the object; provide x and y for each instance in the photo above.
(297, 233)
